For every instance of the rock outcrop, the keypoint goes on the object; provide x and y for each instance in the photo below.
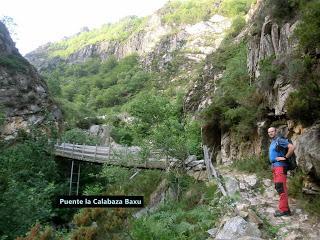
(308, 150)
(24, 97)
(157, 41)
(275, 41)
(236, 228)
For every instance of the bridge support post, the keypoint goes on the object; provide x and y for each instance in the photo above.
(74, 178)
(70, 186)
(78, 179)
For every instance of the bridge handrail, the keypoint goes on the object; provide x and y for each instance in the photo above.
(106, 154)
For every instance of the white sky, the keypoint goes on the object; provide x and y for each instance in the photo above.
(42, 21)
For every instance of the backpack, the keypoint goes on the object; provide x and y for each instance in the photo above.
(291, 161)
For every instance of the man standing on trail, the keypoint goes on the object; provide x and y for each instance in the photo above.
(278, 158)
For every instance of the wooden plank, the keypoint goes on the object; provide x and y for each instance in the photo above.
(120, 156)
(151, 164)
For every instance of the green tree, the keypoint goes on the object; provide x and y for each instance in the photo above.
(308, 31)
(27, 184)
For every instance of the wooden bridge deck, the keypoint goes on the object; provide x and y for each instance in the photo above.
(119, 156)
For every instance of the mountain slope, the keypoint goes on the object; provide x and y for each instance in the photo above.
(24, 98)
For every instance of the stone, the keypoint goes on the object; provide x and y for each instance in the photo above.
(199, 167)
(242, 207)
(267, 182)
(195, 163)
(243, 214)
(22, 94)
(253, 217)
(249, 238)
(103, 132)
(308, 150)
(275, 38)
(190, 159)
(232, 185)
(242, 186)
(225, 148)
(252, 181)
(237, 227)
(269, 193)
(212, 232)
(293, 235)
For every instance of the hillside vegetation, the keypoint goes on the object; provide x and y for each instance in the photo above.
(146, 106)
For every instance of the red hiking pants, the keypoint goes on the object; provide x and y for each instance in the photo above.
(280, 183)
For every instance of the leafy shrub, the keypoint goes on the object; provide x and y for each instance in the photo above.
(26, 192)
(188, 12)
(282, 10)
(295, 184)
(184, 218)
(169, 136)
(304, 104)
(118, 31)
(193, 137)
(85, 123)
(79, 136)
(39, 232)
(234, 8)
(238, 24)
(235, 105)
(299, 69)
(149, 109)
(14, 63)
(254, 164)
(310, 203)
(308, 31)
(269, 71)
(2, 116)
(122, 135)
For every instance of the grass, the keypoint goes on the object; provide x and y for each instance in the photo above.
(309, 203)
(187, 217)
(14, 63)
(254, 164)
(269, 229)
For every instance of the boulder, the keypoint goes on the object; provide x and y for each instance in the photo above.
(190, 159)
(251, 181)
(308, 150)
(103, 132)
(232, 185)
(236, 228)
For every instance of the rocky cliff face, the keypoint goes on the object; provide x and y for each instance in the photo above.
(273, 41)
(24, 97)
(156, 41)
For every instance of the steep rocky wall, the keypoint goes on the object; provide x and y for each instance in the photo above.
(157, 41)
(277, 41)
(24, 96)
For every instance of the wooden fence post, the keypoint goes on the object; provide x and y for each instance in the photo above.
(72, 150)
(95, 152)
(83, 147)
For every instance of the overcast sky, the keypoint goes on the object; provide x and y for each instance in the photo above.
(42, 21)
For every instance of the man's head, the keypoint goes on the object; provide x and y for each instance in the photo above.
(272, 132)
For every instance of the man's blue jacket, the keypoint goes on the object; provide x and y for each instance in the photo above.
(273, 153)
